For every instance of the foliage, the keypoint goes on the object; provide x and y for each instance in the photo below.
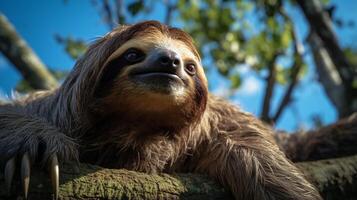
(240, 32)
(351, 54)
(231, 33)
(74, 47)
(255, 33)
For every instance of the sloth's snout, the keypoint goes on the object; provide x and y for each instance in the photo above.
(164, 62)
(168, 59)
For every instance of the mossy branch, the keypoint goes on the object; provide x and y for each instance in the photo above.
(335, 179)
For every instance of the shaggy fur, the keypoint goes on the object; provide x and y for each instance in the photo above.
(100, 117)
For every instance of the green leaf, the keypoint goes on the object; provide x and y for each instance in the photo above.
(282, 75)
(286, 36)
(325, 2)
(222, 68)
(354, 84)
(235, 81)
(135, 7)
(23, 87)
(351, 55)
(303, 71)
(75, 48)
(272, 24)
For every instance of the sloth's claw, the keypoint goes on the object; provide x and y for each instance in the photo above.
(25, 173)
(54, 171)
(9, 174)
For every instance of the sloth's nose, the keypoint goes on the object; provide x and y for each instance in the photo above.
(169, 59)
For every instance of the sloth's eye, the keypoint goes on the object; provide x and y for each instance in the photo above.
(133, 55)
(190, 69)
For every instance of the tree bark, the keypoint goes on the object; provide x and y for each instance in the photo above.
(269, 90)
(335, 140)
(334, 178)
(295, 69)
(93, 182)
(328, 74)
(321, 24)
(23, 58)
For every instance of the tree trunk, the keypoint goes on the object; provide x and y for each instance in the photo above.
(23, 58)
(321, 25)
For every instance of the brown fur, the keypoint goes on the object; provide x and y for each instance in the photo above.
(116, 124)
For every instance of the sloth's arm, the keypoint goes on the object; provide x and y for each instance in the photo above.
(242, 155)
(255, 172)
(26, 139)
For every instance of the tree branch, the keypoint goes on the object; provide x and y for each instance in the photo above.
(334, 178)
(295, 70)
(321, 23)
(119, 4)
(270, 83)
(328, 74)
(93, 182)
(23, 58)
(108, 16)
(335, 140)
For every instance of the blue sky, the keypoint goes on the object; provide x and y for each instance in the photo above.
(39, 20)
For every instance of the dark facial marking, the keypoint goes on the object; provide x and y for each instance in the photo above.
(200, 95)
(134, 55)
(114, 67)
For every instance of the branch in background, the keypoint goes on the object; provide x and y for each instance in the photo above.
(321, 23)
(270, 83)
(119, 4)
(108, 16)
(328, 74)
(23, 58)
(334, 178)
(335, 140)
(296, 68)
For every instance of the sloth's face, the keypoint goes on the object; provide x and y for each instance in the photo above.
(154, 74)
(157, 65)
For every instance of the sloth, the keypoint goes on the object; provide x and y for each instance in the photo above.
(138, 99)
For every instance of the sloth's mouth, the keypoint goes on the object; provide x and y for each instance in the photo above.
(158, 79)
(159, 74)
(156, 74)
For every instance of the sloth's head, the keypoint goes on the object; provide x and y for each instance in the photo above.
(147, 71)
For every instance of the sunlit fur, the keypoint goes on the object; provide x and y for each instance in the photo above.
(113, 122)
